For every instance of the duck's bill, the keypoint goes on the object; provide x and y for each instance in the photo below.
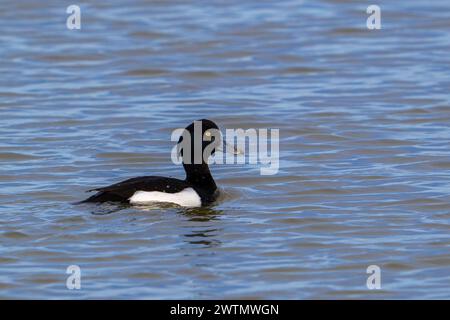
(229, 148)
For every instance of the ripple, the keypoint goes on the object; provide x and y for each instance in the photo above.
(363, 178)
(8, 156)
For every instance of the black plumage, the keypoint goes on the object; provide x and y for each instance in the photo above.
(198, 177)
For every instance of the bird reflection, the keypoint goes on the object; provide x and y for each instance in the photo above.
(201, 221)
(107, 208)
(114, 207)
(201, 225)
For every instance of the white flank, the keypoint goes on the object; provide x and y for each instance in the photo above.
(186, 198)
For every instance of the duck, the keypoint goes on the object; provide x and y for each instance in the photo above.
(196, 190)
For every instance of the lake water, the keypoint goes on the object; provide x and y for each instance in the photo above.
(364, 120)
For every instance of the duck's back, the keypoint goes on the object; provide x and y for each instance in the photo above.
(148, 189)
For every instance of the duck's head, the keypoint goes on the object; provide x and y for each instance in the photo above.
(200, 140)
(198, 137)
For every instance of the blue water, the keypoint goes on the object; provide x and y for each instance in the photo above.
(364, 120)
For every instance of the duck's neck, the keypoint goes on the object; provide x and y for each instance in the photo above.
(199, 176)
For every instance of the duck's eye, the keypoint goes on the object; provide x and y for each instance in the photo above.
(208, 135)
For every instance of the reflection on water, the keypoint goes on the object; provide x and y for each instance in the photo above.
(364, 171)
(106, 208)
(204, 226)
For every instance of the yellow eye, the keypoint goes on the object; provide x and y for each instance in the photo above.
(208, 133)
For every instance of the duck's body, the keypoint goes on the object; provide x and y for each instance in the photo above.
(198, 189)
(144, 190)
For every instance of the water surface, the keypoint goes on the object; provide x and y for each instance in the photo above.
(364, 119)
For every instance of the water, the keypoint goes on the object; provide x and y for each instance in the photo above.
(364, 119)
